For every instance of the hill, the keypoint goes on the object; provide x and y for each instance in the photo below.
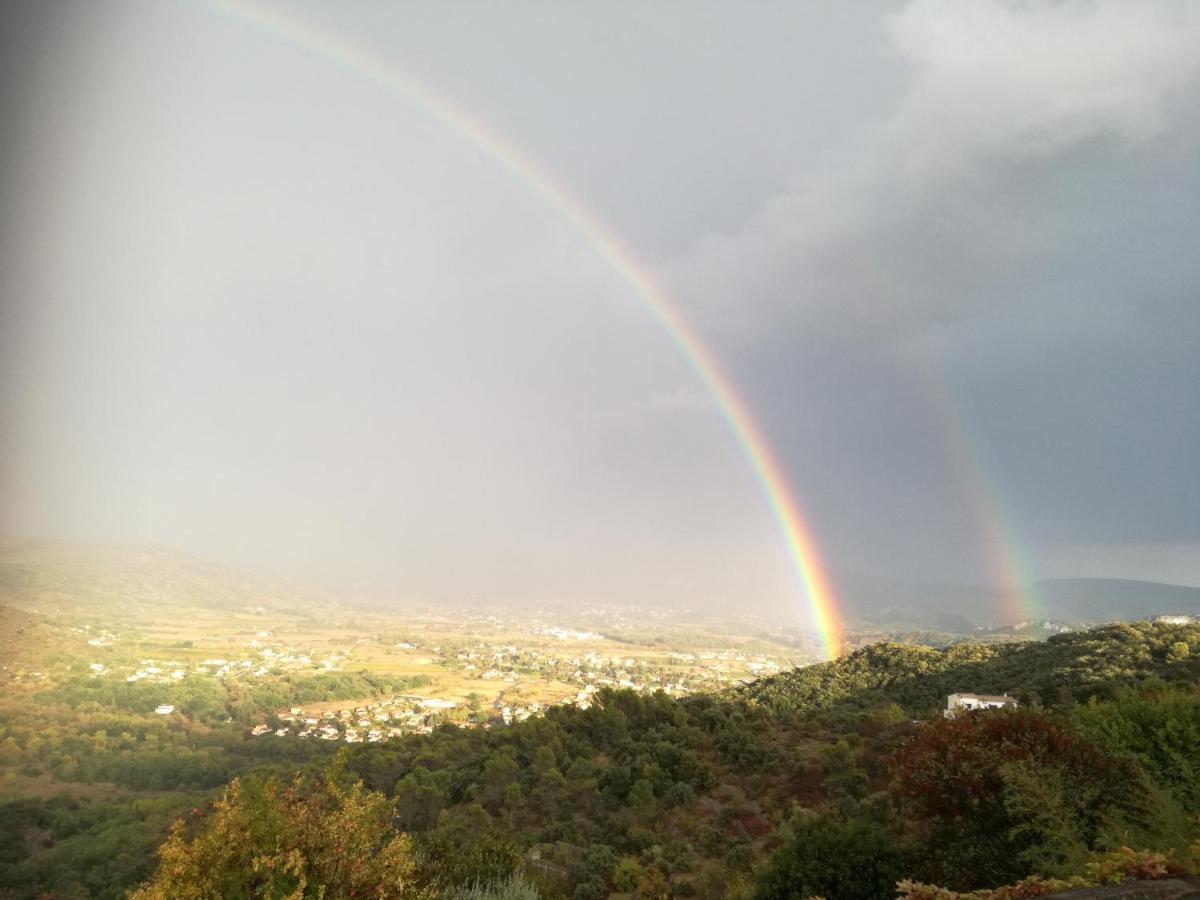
(809, 783)
(893, 605)
(1103, 599)
(1077, 664)
(26, 640)
(51, 575)
(817, 781)
(897, 606)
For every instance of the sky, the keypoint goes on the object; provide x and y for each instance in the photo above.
(261, 308)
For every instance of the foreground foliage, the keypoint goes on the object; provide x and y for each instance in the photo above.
(819, 782)
(307, 839)
(1110, 868)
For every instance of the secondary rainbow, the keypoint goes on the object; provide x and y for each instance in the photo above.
(1002, 546)
(331, 48)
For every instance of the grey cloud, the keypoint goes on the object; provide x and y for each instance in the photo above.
(948, 193)
(260, 309)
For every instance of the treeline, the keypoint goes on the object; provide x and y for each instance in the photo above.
(210, 700)
(138, 752)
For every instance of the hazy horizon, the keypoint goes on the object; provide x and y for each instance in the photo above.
(259, 309)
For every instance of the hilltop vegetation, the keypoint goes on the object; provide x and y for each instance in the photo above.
(1076, 665)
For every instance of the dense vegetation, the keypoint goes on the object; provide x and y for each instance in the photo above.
(82, 848)
(209, 700)
(1065, 667)
(836, 780)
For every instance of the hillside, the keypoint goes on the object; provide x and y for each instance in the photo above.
(894, 606)
(815, 781)
(1100, 599)
(51, 575)
(818, 785)
(26, 640)
(919, 678)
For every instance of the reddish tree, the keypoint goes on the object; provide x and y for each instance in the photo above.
(959, 780)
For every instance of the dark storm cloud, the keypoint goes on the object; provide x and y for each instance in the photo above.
(1018, 225)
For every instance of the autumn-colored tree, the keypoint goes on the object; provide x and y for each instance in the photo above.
(991, 793)
(654, 886)
(308, 839)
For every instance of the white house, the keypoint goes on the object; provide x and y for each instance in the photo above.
(164, 709)
(956, 703)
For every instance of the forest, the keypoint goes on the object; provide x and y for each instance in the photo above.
(839, 780)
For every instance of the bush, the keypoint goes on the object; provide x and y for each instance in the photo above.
(850, 860)
(628, 875)
(590, 889)
(740, 857)
(512, 888)
(997, 796)
(306, 839)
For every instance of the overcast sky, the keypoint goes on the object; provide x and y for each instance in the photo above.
(262, 309)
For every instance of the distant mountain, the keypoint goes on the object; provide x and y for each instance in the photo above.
(49, 574)
(897, 606)
(26, 640)
(1095, 599)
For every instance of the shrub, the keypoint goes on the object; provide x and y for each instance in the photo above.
(850, 860)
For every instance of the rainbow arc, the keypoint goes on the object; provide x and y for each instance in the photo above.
(359, 62)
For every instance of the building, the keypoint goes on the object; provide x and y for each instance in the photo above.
(164, 709)
(956, 703)
(1174, 620)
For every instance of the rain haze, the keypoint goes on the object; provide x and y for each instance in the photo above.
(262, 307)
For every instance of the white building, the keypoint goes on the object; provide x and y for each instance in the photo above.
(164, 709)
(956, 703)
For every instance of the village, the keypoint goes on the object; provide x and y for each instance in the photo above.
(524, 666)
(374, 722)
(507, 665)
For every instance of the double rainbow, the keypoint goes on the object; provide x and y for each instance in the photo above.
(355, 60)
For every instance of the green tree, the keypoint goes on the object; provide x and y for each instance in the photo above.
(628, 875)
(850, 860)
(420, 796)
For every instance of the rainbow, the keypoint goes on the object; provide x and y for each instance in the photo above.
(1004, 554)
(802, 549)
